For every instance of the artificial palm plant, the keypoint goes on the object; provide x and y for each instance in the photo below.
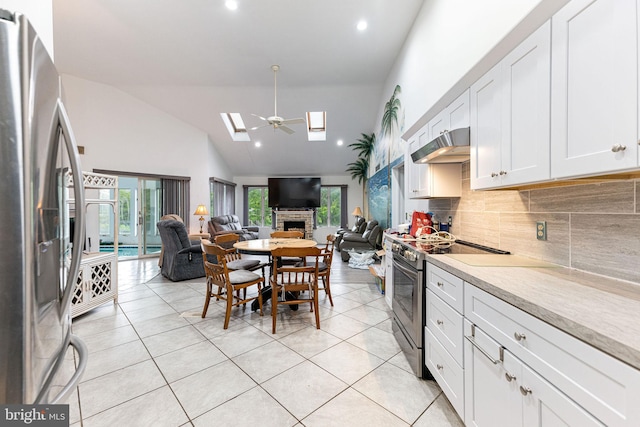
(360, 168)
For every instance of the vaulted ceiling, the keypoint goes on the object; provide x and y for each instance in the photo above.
(195, 59)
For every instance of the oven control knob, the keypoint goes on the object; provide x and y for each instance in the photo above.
(411, 256)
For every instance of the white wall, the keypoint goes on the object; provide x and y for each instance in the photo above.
(354, 198)
(448, 38)
(122, 133)
(39, 13)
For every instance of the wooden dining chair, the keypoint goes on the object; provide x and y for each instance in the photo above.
(296, 284)
(288, 234)
(228, 283)
(324, 266)
(235, 260)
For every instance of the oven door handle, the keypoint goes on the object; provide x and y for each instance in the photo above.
(408, 271)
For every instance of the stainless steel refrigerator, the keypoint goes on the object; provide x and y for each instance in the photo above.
(39, 260)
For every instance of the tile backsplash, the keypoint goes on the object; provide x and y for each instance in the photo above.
(590, 227)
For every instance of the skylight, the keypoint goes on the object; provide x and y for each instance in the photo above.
(317, 125)
(235, 126)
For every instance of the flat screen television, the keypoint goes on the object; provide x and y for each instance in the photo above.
(294, 192)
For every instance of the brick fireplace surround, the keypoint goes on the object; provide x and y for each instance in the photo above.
(305, 216)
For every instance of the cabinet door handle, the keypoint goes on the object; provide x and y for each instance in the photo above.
(440, 367)
(509, 377)
(519, 337)
(471, 339)
(525, 390)
(493, 174)
(440, 284)
(618, 147)
(439, 322)
(503, 172)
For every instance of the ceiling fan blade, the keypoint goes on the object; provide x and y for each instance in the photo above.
(258, 127)
(286, 129)
(294, 121)
(260, 117)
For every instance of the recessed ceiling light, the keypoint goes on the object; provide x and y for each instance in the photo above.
(231, 4)
(340, 142)
(258, 144)
(362, 25)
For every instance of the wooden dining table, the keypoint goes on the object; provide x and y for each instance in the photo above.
(264, 247)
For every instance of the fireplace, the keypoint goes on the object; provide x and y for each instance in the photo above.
(294, 225)
(301, 220)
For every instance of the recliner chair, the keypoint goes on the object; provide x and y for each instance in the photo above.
(358, 227)
(181, 260)
(367, 241)
(224, 224)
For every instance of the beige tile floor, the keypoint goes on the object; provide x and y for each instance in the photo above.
(154, 362)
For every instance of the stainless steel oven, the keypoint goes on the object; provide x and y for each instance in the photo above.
(408, 304)
(409, 271)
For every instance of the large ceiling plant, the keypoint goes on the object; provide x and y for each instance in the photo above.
(360, 168)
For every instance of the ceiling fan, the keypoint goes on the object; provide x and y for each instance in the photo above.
(276, 121)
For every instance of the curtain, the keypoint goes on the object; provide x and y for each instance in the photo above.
(223, 197)
(175, 198)
(344, 220)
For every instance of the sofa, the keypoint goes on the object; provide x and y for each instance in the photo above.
(224, 224)
(358, 227)
(370, 240)
(181, 258)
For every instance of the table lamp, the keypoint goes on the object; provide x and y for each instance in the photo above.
(357, 212)
(201, 210)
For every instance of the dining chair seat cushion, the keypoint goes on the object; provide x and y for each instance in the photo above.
(322, 266)
(242, 264)
(237, 277)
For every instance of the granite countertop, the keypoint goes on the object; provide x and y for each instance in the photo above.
(600, 311)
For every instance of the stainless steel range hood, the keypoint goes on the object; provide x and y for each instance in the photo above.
(449, 147)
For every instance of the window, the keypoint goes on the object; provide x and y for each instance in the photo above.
(223, 197)
(257, 210)
(329, 214)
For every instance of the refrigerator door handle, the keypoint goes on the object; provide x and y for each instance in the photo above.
(78, 190)
(83, 356)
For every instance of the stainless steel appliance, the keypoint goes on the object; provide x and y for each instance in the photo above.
(409, 281)
(38, 267)
(451, 146)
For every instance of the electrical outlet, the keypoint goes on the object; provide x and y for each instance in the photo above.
(541, 230)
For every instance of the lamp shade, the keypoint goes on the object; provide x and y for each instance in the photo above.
(357, 211)
(201, 210)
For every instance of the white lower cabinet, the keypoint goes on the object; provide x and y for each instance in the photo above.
(96, 283)
(562, 378)
(500, 390)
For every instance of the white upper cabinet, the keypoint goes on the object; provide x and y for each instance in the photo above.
(455, 116)
(594, 92)
(486, 129)
(510, 115)
(526, 110)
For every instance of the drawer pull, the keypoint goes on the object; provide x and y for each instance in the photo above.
(471, 338)
(440, 367)
(439, 322)
(440, 284)
(618, 147)
(519, 337)
(509, 377)
(525, 390)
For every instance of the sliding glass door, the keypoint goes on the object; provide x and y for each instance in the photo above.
(140, 203)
